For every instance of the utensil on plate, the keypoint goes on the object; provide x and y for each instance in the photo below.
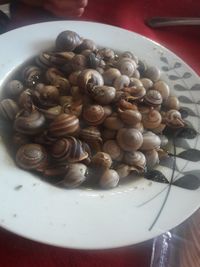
(155, 22)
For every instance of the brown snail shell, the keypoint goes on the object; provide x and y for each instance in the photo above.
(75, 176)
(64, 125)
(65, 100)
(79, 62)
(173, 119)
(86, 44)
(121, 81)
(125, 170)
(93, 114)
(152, 158)
(172, 102)
(52, 112)
(110, 75)
(153, 98)
(127, 66)
(73, 77)
(135, 82)
(56, 78)
(30, 123)
(25, 99)
(130, 117)
(129, 139)
(136, 159)
(14, 88)
(113, 149)
(74, 108)
(163, 88)
(109, 179)
(135, 92)
(48, 95)
(124, 105)
(19, 139)
(90, 134)
(32, 157)
(106, 53)
(113, 123)
(101, 160)
(67, 41)
(89, 78)
(152, 119)
(61, 149)
(108, 134)
(150, 141)
(103, 95)
(8, 109)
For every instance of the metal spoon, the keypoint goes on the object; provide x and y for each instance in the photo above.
(172, 21)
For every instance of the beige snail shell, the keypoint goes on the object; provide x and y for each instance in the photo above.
(75, 176)
(136, 159)
(129, 139)
(150, 141)
(152, 119)
(113, 149)
(109, 179)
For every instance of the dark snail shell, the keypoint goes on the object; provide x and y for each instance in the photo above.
(48, 95)
(129, 139)
(67, 41)
(90, 134)
(64, 125)
(8, 109)
(79, 62)
(31, 75)
(13, 88)
(30, 123)
(86, 44)
(32, 157)
(94, 114)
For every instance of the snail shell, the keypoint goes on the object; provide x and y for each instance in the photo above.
(113, 149)
(135, 92)
(152, 119)
(31, 75)
(93, 114)
(75, 176)
(73, 77)
(61, 149)
(130, 117)
(108, 110)
(48, 94)
(152, 158)
(8, 109)
(89, 78)
(74, 108)
(30, 123)
(127, 66)
(103, 95)
(108, 134)
(106, 53)
(129, 139)
(136, 159)
(25, 99)
(67, 41)
(56, 78)
(164, 140)
(147, 83)
(101, 160)
(110, 75)
(13, 88)
(124, 104)
(94, 61)
(150, 141)
(124, 170)
(163, 88)
(109, 179)
(172, 102)
(52, 112)
(121, 81)
(153, 73)
(19, 139)
(135, 82)
(64, 125)
(153, 98)
(173, 119)
(31, 157)
(86, 44)
(113, 123)
(79, 62)
(90, 134)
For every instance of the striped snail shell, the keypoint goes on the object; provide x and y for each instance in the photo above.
(77, 151)
(152, 119)
(153, 98)
(32, 157)
(93, 114)
(90, 134)
(64, 125)
(30, 123)
(127, 66)
(173, 119)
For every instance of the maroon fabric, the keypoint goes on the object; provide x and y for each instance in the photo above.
(129, 14)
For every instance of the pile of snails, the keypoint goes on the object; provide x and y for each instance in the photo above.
(88, 115)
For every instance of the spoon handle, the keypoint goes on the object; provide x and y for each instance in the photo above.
(172, 21)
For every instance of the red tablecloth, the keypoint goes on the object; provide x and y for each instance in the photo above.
(130, 14)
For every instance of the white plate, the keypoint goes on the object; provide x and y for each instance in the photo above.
(95, 219)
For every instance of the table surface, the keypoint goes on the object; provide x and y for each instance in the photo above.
(184, 41)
